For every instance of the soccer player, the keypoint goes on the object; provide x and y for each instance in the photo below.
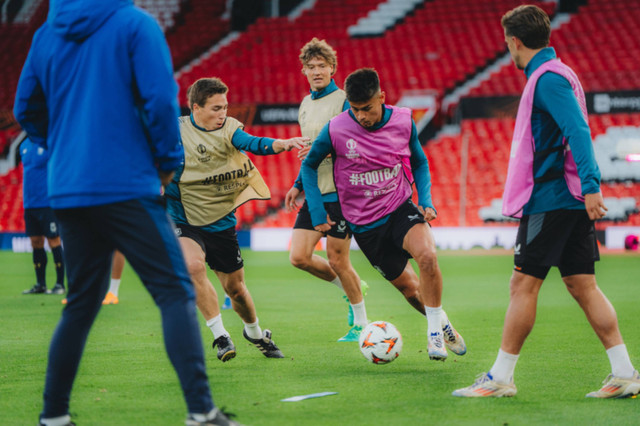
(325, 101)
(97, 90)
(39, 220)
(214, 179)
(553, 184)
(376, 154)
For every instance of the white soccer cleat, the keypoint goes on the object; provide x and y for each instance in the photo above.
(485, 386)
(452, 339)
(435, 347)
(617, 387)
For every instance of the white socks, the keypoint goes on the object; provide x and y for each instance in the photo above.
(434, 319)
(336, 281)
(502, 370)
(216, 326)
(114, 286)
(56, 421)
(620, 363)
(253, 330)
(359, 314)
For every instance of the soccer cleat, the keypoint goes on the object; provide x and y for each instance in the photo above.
(364, 287)
(110, 299)
(57, 289)
(485, 386)
(453, 340)
(435, 347)
(36, 289)
(617, 387)
(227, 303)
(226, 348)
(266, 345)
(215, 418)
(353, 335)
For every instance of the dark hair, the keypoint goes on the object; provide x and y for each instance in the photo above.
(362, 85)
(530, 24)
(203, 89)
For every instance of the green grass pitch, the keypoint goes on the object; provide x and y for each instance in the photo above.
(125, 377)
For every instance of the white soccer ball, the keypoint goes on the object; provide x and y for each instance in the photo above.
(380, 342)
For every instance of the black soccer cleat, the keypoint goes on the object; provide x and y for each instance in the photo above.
(226, 348)
(36, 289)
(266, 345)
(215, 418)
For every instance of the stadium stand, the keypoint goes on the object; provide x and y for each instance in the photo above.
(417, 48)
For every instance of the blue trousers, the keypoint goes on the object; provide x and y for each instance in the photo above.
(142, 231)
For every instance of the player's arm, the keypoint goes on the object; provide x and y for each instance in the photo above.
(320, 148)
(264, 146)
(422, 175)
(157, 94)
(30, 108)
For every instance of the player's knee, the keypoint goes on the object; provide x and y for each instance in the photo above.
(338, 263)
(427, 261)
(196, 267)
(299, 261)
(237, 291)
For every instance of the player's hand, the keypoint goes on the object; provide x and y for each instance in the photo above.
(302, 154)
(165, 177)
(325, 227)
(280, 145)
(428, 213)
(290, 200)
(594, 204)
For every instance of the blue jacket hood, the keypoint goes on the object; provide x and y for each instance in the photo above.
(78, 19)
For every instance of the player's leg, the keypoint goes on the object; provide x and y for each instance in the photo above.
(338, 255)
(146, 237)
(51, 232)
(301, 255)
(206, 296)
(39, 256)
(117, 266)
(58, 259)
(235, 287)
(88, 255)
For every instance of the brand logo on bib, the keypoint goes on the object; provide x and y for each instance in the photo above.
(351, 146)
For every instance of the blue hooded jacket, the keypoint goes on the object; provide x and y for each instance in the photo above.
(34, 175)
(97, 90)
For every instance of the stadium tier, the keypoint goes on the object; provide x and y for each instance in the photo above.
(591, 44)
(428, 48)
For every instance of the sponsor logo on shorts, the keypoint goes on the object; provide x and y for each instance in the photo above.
(516, 249)
(178, 232)
(342, 226)
(53, 227)
(379, 269)
(413, 217)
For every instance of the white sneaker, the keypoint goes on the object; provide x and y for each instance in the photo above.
(436, 348)
(485, 386)
(617, 387)
(452, 339)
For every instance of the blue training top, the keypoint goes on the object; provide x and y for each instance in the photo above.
(34, 175)
(556, 114)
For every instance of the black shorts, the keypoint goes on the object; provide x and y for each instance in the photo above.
(221, 249)
(339, 230)
(562, 238)
(41, 221)
(383, 245)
